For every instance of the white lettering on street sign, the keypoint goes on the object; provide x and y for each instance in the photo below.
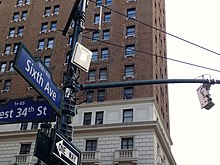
(66, 152)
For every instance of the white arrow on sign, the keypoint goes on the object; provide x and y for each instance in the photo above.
(66, 152)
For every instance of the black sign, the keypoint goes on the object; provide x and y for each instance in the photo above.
(64, 151)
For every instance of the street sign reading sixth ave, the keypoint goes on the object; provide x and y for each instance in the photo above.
(64, 151)
(37, 74)
(25, 110)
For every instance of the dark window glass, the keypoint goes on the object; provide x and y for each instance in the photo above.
(95, 36)
(103, 74)
(128, 93)
(87, 118)
(128, 116)
(24, 126)
(104, 54)
(25, 149)
(127, 143)
(130, 31)
(89, 96)
(91, 145)
(129, 50)
(107, 17)
(99, 118)
(101, 96)
(129, 71)
(131, 13)
(106, 34)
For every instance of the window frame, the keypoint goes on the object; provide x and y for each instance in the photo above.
(129, 71)
(106, 34)
(128, 93)
(91, 145)
(103, 74)
(130, 31)
(99, 117)
(101, 95)
(127, 143)
(104, 53)
(87, 119)
(128, 116)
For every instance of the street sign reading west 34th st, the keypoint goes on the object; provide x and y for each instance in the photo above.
(37, 74)
(25, 110)
(64, 151)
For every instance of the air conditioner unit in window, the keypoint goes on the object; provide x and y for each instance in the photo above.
(4, 90)
(30, 87)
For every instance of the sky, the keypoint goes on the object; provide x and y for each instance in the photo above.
(195, 132)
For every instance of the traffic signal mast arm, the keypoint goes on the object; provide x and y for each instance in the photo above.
(146, 82)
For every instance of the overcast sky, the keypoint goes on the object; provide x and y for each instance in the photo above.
(195, 132)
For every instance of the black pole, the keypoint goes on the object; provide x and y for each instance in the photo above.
(70, 88)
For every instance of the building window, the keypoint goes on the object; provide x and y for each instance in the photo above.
(7, 49)
(127, 143)
(15, 17)
(53, 26)
(19, 2)
(27, 2)
(91, 75)
(47, 11)
(96, 18)
(47, 61)
(11, 68)
(15, 49)
(129, 50)
(7, 85)
(3, 67)
(34, 125)
(94, 55)
(11, 33)
(130, 31)
(44, 27)
(24, 126)
(104, 54)
(24, 15)
(131, 13)
(127, 115)
(40, 45)
(89, 96)
(101, 95)
(25, 149)
(99, 117)
(72, 24)
(87, 118)
(103, 74)
(56, 10)
(20, 31)
(95, 36)
(106, 34)
(98, 2)
(129, 71)
(107, 17)
(128, 93)
(50, 43)
(108, 2)
(91, 145)
(70, 40)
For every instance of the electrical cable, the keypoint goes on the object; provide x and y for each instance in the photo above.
(172, 35)
(155, 55)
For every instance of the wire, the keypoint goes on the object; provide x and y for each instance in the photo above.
(172, 35)
(155, 55)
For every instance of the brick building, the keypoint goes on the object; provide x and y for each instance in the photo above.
(127, 125)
